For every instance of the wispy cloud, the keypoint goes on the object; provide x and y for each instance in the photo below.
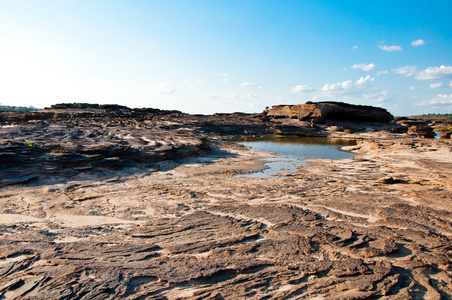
(247, 84)
(436, 85)
(226, 97)
(440, 99)
(382, 73)
(193, 83)
(251, 95)
(429, 73)
(390, 48)
(300, 89)
(406, 71)
(416, 43)
(225, 77)
(364, 67)
(166, 89)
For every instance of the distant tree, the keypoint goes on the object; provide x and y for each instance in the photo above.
(433, 116)
(18, 108)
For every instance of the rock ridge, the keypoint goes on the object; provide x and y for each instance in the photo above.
(319, 112)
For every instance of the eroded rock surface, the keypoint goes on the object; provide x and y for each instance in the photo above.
(319, 112)
(148, 207)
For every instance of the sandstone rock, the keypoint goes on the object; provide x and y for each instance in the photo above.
(319, 112)
(86, 230)
(446, 132)
(407, 122)
(390, 180)
(424, 131)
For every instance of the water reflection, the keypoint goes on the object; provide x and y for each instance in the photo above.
(294, 151)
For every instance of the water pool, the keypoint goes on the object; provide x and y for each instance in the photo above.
(294, 151)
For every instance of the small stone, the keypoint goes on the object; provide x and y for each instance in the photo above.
(386, 180)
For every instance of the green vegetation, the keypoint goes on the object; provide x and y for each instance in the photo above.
(18, 108)
(30, 143)
(60, 150)
(434, 117)
(234, 114)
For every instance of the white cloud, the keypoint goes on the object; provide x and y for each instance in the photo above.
(412, 88)
(440, 99)
(301, 89)
(450, 84)
(359, 91)
(443, 99)
(355, 47)
(382, 73)
(363, 81)
(166, 89)
(429, 73)
(390, 48)
(348, 86)
(364, 67)
(376, 96)
(436, 85)
(226, 97)
(334, 87)
(251, 95)
(406, 71)
(247, 84)
(435, 73)
(417, 42)
(259, 87)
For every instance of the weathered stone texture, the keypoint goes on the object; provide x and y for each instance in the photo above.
(142, 204)
(319, 112)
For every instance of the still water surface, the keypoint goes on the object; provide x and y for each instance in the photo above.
(294, 151)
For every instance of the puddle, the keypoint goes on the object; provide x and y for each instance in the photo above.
(294, 151)
(253, 239)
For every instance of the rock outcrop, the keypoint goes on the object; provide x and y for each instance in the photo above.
(446, 132)
(95, 203)
(424, 131)
(319, 112)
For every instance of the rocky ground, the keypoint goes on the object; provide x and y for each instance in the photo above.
(98, 204)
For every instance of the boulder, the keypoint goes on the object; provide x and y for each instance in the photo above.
(446, 132)
(424, 131)
(319, 112)
(410, 122)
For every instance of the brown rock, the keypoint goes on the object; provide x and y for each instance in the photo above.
(319, 112)
(446, 132)
(424, 131)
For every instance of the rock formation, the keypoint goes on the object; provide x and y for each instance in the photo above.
(446, 132)
(424, 131)
(319, 112)
(119, 203)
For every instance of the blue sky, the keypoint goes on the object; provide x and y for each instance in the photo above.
(207, 56)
